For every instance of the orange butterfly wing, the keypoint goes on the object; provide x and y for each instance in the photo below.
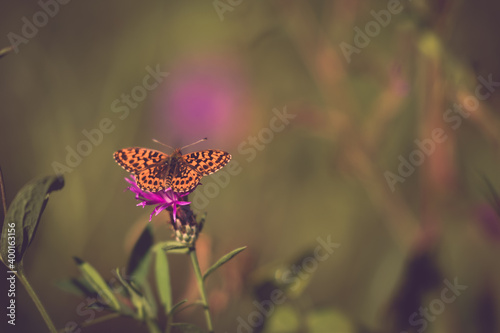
(185, 178)
(136, 160)
(147, 164)
(206, 162)
(153, 179)
(156, 171)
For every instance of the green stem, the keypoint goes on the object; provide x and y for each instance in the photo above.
(36, 300)
(199, 279)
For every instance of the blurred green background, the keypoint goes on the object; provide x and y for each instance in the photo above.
(232, 66)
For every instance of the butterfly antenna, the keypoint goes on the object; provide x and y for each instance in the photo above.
(163, 144)
(192, 144)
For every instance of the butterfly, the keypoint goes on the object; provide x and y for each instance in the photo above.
(155, 171)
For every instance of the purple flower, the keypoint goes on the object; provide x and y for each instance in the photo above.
(162, 199)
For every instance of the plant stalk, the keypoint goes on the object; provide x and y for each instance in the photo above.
(199, 279)
(37, 301)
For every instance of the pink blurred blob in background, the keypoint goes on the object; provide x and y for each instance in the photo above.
(205, 96)
(489, 221)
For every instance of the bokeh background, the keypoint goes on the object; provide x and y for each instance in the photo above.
(231, 67)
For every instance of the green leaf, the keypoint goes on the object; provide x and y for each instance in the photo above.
(186, 328)
(5, 51)
(134, 297)
(23, 216)
(178, 250)
(140, 250)
(172, 247)
(163, 279)
(284, 319)
(329, 320)
(143, 310)
(175, 308)
(222, 261)
(150, 297)
(140, 277)
(98, 284)
(78, 287)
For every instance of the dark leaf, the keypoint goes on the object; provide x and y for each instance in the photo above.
(295, 272)
(140, 250)
(485, 310)
(420, 276)
(24, 215)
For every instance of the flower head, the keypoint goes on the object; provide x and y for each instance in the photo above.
(186, 227)
(162, 199)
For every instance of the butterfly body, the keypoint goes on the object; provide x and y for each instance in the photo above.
(156, 171)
